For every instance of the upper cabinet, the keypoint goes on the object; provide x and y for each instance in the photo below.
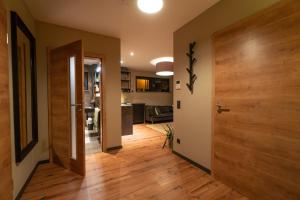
(152, 84)
(125, 81)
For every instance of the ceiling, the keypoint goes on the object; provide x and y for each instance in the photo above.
(148, 36)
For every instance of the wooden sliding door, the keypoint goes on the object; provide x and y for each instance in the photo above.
(256, 142)
(5, 147)
(65, 81)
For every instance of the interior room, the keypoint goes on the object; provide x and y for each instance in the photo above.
(150, 99)
(92, 102)
(147, 99)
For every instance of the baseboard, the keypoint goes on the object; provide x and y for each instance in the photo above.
(43, 162)
(114, 148)
(18, 197)
(193, 163)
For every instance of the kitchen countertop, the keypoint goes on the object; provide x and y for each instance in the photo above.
(126, 104)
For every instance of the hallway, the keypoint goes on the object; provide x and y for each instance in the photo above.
(141, 170)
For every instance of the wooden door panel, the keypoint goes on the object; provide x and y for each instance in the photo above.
(59, 106)
(59, 112)
(5, 147)
(256, 146)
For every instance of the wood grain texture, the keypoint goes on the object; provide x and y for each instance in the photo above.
(256, 146)
(141, 170)
(5, 147)
(59, 107)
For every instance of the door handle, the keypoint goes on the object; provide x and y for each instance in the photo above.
(222, 108)
(76, 105)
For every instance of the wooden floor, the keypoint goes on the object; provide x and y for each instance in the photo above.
(141, 170)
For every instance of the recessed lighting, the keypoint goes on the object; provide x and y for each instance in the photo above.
(150, 6)
(162, 59)
(131, 53)
(98, 69)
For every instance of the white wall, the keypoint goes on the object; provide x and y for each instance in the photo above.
(193, 122)
(149, 98)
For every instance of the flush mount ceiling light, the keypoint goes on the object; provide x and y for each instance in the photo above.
(164, 69)
(150, 6)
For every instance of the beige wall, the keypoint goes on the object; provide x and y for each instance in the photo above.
(149, 98)
(54, 36)
(21, 171)
(193, 122)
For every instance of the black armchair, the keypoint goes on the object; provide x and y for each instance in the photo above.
(156, 114)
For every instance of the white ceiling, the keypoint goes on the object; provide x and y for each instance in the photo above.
(148, 36)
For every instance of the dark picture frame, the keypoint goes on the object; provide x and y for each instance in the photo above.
(17, 23)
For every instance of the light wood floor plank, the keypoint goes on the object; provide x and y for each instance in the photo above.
(141, 170)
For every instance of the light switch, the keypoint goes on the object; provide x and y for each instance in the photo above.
(178, 104)
(177, 85)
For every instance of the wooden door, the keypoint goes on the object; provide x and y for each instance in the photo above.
(5, 151)
(256, 142)
(66, 127)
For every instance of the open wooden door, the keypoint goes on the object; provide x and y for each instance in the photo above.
(65, 94)
(5, 155)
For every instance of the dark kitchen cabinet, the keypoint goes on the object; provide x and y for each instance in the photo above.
(125, 81)
(127, 120)
(138, 113)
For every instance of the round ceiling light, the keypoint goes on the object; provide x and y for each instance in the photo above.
(164, 69)
(150, 6)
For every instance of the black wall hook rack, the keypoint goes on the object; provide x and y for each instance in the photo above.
(190, 69)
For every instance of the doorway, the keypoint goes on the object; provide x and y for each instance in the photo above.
(92, 105)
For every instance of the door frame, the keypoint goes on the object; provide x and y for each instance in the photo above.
(101, 57)
(213, 107)
(6, 183)
(49, 104)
